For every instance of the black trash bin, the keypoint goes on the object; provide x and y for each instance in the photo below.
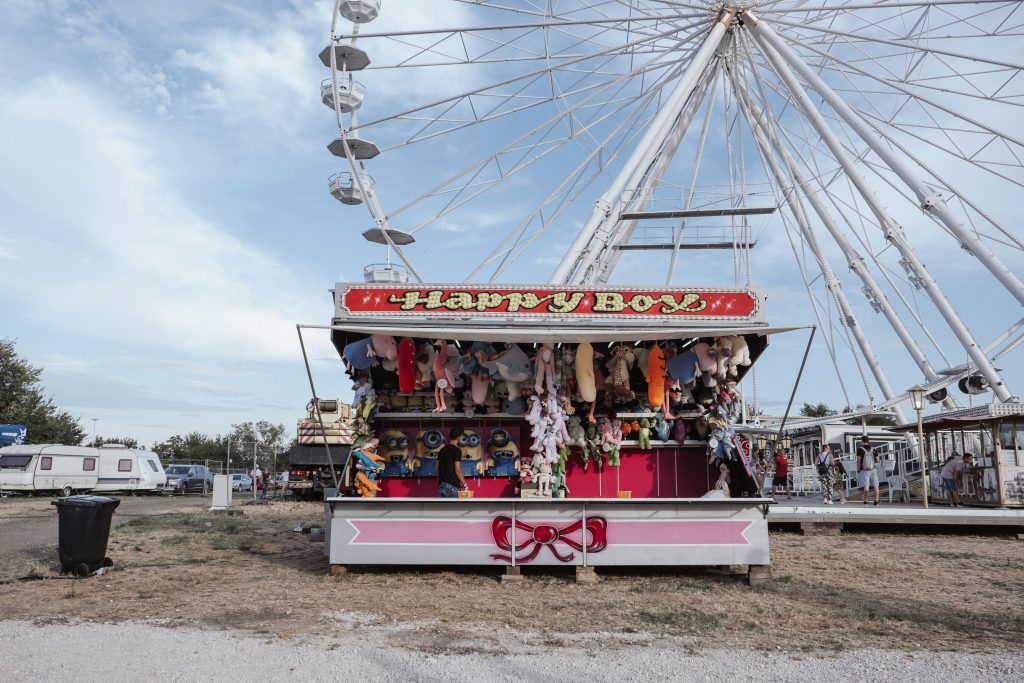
(84, 527)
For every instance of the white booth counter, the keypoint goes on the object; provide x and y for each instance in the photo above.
(588, 532)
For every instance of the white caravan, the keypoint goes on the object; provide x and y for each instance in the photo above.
(71, 469)
(127, 469)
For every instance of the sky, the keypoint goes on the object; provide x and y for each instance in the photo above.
(165, 220)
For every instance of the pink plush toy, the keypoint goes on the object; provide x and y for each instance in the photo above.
(480, 382)
(384, 347)
(443, 378)
(545, 369)
(707, 361)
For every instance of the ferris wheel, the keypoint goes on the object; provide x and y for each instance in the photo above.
(637, 135)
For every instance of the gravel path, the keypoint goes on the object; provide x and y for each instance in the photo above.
(131, 651)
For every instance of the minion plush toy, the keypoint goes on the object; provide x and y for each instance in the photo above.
(428, 444)
(469, 444)
(394, 446)
(504, 454)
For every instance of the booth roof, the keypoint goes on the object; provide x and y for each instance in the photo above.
(528, 331)
(990, 412)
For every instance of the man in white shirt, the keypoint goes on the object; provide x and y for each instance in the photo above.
(257, 478)
(953, 475)
(867, 467)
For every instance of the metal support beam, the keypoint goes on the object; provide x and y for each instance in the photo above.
(698, 213)
(596, 231)
(685, 245)
(893, 230)
(768, 139)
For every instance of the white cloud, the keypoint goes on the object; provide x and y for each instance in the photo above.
(106, 247)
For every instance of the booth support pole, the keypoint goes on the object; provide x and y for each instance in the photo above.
(316, 408)
(799, 374)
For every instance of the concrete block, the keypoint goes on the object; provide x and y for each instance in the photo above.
(586, 575)
(821, 528)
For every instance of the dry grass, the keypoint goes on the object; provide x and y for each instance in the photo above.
(829, 593)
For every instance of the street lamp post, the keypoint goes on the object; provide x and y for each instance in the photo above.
(917, 395)
(94, 421)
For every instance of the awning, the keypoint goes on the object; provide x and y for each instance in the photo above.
(536, 331)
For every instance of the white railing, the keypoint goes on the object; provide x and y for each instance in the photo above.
(899, 461)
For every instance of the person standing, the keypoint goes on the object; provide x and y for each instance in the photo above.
(826, 465)
(839, 475)
(867, 468)
(953, 475)
(266, 480)
(781, 477)
(449, 467)
(257, 478)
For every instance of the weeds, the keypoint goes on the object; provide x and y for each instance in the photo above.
(690, 621)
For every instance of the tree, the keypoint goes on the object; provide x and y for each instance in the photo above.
(269, 440)
(24, 401)
(816, 410)
(192, 447)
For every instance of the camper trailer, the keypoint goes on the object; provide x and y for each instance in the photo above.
(71, 469)
(126, 469)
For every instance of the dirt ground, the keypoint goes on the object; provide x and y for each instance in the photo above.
(253, 573)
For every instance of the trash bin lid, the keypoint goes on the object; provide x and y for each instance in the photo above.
(86, 501)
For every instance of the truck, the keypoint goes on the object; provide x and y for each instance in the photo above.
(309, 471)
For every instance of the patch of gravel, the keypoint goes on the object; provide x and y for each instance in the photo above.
(51, 650)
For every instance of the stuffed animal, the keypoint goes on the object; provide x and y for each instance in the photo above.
(567, 360)
(383, 346)
(474, 463)
(642, 359)
(406, 366)
(679, 430)
(543, 479)
(661, 428)
(513, 366)
(656, 377)
(428, 444)
(394, 448)
(480, 382)
(644, 436)
(627, 429)
(444, 379)
(577, 435)
(472, 361)
(707, 361)
(593, 449)
(621, 363)
(503, 454)
(740, 351)
(683, 367)
(452, 364)
(358, 354)
(424, 365)
(614, 443)
(545, 362)
(585, 379)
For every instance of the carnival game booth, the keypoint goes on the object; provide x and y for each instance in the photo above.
(994, 435)
(592, 422)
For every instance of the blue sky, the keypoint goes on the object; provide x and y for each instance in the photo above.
(164, 218)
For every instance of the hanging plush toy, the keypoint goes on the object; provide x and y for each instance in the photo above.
(616, 443)
(545, 362)
(683, 367)
(740, 351)
(358, 354)
(577, 436)
(443, 379)
(513, 366)
(707, 360)
(593, 449)
(656, 377)
(480, 382)
(585, 380)
(568, 377)
(621, 363)
(424, 365)
(383, 346)
(406, 366)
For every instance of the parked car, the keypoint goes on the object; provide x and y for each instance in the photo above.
(241, 482)
(188, 478)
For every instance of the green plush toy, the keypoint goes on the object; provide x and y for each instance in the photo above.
(645, 433)
(593, 447)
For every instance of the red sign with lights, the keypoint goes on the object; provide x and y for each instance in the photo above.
(533, 301)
